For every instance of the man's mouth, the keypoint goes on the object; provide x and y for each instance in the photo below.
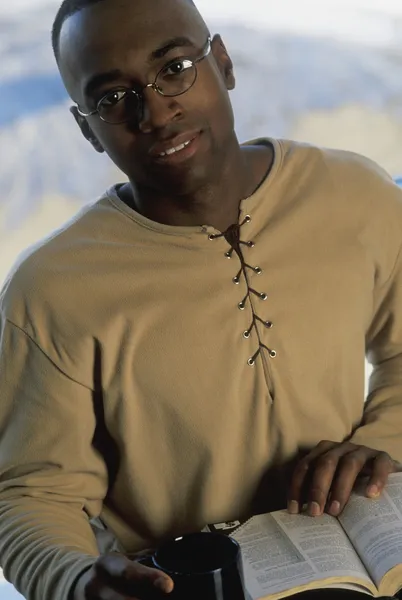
(176, 150)
(171, 151)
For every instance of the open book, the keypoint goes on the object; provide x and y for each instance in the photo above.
(361, 550)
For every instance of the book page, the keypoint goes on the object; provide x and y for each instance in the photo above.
(282, 551)
(375, 527)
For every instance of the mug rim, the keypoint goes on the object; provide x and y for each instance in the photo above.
(214, 534)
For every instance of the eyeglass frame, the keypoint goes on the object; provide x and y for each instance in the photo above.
(140, 94)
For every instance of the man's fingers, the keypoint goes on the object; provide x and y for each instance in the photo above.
(383, 465)
(335, 473)
(126, 575)
(329, 473)
(325, 468)
(349, 468)
(301, 474)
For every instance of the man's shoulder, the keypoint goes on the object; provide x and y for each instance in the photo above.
(40, 268)
(348, 178)
(337, 162)
(342, 167)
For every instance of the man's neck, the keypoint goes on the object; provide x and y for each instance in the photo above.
(216, 204)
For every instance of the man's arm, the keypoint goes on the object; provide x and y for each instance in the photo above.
(381, 427)
(51, 477)
(375, 447)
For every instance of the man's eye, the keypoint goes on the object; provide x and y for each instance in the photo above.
(113, 98)
(177, 67)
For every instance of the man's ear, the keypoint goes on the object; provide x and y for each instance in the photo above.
(86, 130)
(224, 62)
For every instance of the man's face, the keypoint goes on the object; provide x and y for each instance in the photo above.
(124, 38)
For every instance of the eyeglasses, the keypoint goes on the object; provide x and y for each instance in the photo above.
(125, 105)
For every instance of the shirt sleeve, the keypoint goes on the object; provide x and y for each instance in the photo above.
(52, 479)
(381, 427)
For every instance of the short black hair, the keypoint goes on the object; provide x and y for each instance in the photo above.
(67, 9)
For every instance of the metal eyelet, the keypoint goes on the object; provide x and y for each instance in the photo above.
(247, 334)
(228, 254)
(273, 353)
(257, 270)
(251, 362)
(211, 237)
(247, 219)
(268, 324)
(236, 280)
(242, 305)
(250, 244)
(263, 296)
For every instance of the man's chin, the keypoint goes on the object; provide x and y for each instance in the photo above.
(182, 182)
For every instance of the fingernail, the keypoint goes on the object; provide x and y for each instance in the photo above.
(314, 509)
(163, 584)
(373, 491)
(334, 508)
(293, 507)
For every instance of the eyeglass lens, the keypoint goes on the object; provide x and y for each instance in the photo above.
(123, 106)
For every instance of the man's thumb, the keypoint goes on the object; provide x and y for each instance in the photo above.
(164, 584)
(160, 580)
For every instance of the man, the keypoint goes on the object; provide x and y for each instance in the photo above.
(168, 355)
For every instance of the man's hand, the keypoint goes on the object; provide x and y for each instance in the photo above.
(326, 476)
(115, 577)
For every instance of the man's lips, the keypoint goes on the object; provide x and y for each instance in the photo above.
(173, 144)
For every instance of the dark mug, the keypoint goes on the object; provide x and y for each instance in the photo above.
(203, 566)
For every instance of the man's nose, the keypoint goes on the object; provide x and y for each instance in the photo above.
(158, 110)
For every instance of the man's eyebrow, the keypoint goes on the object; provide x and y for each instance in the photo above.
(177, 42)
(96, 81)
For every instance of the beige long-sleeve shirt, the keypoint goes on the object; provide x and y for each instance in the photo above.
(126, 385)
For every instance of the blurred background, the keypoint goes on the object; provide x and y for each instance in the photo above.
(326, 72)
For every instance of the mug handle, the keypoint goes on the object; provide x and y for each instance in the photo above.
(146, 561)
